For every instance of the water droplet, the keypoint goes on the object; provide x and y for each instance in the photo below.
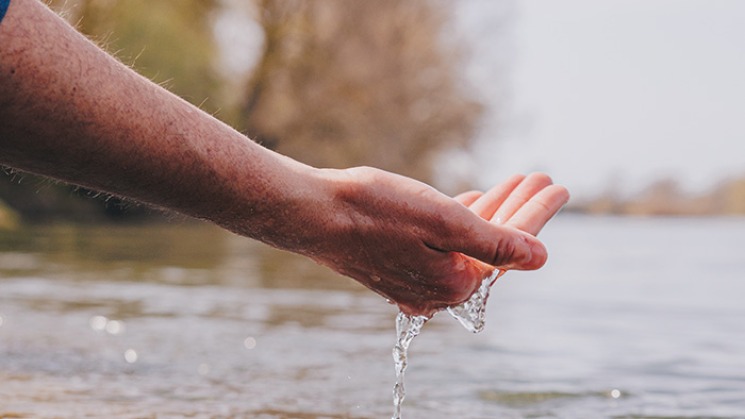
(115, 327)
(130, 355)
(98, 323)
(615, 393)
(375, 278)
(249, 342)
(472, 312)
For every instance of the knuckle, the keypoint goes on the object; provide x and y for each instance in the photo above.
(504, 252)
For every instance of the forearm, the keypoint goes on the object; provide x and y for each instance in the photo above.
(72, 112)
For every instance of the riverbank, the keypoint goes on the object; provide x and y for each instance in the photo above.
(666, 197)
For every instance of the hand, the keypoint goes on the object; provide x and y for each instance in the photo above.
(423, 250)
(524, 203)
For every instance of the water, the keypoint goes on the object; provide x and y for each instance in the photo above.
(470, 313)
(407, 328)
(630, 318)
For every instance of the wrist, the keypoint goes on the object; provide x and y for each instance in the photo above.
(284, 204)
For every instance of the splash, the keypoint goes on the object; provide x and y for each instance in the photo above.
(470, 313)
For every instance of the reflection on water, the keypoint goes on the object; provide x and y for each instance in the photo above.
(630, 319)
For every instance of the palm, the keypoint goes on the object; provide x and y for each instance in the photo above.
(422, 250)
(526, 203)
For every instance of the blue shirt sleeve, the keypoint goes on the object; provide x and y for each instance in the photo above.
(3, 8)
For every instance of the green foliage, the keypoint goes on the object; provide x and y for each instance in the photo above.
(168, 41)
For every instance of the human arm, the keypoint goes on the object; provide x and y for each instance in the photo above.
(70, 111)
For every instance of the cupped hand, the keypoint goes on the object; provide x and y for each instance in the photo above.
(425, 251)
(525, 203)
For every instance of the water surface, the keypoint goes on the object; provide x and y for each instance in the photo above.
(631, 318)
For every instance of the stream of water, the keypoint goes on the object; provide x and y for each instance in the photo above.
(470, 313)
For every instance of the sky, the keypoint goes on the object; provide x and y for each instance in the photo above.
(610, 93)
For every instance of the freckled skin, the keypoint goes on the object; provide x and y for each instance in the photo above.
(70, 111)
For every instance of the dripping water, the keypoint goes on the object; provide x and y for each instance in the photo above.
(407, 327)
(470, 313)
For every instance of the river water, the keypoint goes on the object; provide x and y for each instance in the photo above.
(631, 318)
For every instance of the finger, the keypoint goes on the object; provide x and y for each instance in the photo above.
(530, 186)
(467, 198)
(539, 209)
(501, 246)
(488, 203)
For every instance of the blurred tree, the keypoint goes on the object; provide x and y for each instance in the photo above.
(664, 196)
(338, 82)
(734, 196)
(168, 41)
(357, 82)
